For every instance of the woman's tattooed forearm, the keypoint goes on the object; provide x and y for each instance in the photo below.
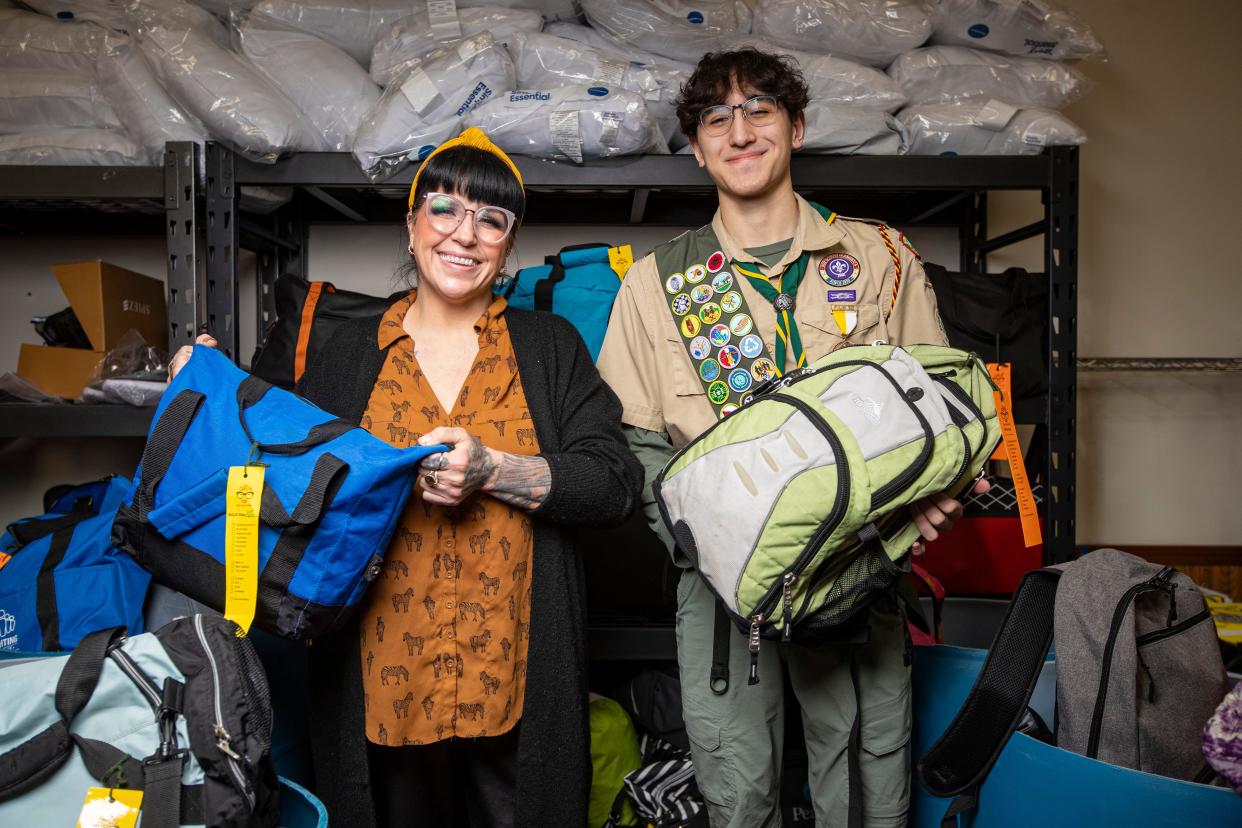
(520, 481)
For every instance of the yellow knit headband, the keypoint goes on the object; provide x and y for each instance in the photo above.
(472, 137)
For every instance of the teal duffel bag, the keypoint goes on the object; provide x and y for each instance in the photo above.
(794, 506)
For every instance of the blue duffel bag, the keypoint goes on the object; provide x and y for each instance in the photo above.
(331, 497)
(62, 577)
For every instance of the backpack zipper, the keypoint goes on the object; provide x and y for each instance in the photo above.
(223, 739)
(1156, 582)
(139, 678)
(1159, 635)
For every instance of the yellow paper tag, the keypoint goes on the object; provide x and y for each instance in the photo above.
(1011, 450)
(110, 808)
(241, 543)
(620, 258)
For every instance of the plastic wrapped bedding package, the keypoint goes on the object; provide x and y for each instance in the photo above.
(101, 147)
(150, 115)
(680, 30)
(34, 42)
(1034, 28)
(352, 25)
(941, 74)
(425, 106)
(551, 10)
(984, 128)
(870, 31)
(832, 79)
(232, 98)
(545, 61)
(592, 37)
(412, 37)
(327, 85)
(34, 99)
(843, 129)
(571, 123)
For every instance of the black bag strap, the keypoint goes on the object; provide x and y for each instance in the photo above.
(45, 586)
(545, 286)
(29, 531)
(314, 499)
(31, 763)
(719, 679)
(162, 445)
(251, 390)
(961, 758)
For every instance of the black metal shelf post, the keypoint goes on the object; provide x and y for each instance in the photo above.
(1061, 264)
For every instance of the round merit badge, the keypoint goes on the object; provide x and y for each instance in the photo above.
(763, 369)
(731, 301)
(701, 294)
(681, 304)
(739, 380)
(839, 270)
(741, 324)
(726, 410)
(690, 326)
(718, 392)
(695, 274)
(700, 347)
(722, 282)
(719, 335)
(675, 283)
(710, 313)
(709, 370)
(715, 261)
(751, 346)
(729, 356)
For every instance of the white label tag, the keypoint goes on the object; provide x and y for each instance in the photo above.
(995, 115)
(1033, 138)
(565, 136)
(610, 72)
(610, 128)
(444, 22)
(419, 90)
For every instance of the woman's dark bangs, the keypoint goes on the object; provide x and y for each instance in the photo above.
(476, 174)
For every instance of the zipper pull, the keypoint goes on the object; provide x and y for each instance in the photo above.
(787, 598)
(754, 649)
(1172, 589)
(224, 742)
(1151, 681)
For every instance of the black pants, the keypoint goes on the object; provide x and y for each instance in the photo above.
(456, 783)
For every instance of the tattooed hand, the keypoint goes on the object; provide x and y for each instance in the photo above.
(450, 478)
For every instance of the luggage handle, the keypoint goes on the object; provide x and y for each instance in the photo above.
(251, 391)
(29, 531)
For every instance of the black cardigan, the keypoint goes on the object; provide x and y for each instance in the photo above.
(595, 482)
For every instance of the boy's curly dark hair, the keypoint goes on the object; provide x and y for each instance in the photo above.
(718, 72)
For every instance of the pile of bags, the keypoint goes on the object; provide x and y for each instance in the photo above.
(106, 82)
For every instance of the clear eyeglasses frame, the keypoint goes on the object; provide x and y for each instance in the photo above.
(445, 212)
(759, 111)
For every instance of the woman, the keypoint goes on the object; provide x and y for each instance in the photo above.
(459, 694)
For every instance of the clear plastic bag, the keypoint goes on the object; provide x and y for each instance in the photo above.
(40, 99)
(77, 147)
(107, 13)
(544, 61)
(132, 358)
(572, 123)
(942, 74)
(1030, 28)
(410, 38)
(551, 10)
(869, 31)
(672, 29)
(235, 101)
(593, 38)
(32, 41)
(150, 115)
(326, 84)
(352, 25)
(984, 128)
(425, 106)
(842, 129)
(832, 79)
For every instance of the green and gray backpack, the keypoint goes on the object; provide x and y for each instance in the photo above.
(793, 507)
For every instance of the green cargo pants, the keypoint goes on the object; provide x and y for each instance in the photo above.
(737, 738)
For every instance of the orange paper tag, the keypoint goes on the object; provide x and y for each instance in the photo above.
(1011, 450)
(4, 558)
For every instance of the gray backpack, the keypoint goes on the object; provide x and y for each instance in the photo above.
(1139, 673)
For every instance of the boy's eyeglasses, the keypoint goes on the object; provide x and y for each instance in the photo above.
(758, 111)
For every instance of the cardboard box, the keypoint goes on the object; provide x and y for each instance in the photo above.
(108, 301)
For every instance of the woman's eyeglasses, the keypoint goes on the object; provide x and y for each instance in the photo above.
(758, 111)
(492, 225)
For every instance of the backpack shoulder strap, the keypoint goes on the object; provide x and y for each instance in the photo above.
(961, 758)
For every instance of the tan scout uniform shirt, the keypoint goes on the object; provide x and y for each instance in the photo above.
(645, 362)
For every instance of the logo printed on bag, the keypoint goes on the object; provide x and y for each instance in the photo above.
(1039, 47)
(695, 17)
(478, 95)
(598, 91)
(8, 626)
(134, 306)
(518, 97)
(869, 408)
(839, 270)
(978, 31)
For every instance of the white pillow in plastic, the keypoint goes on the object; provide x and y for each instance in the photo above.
(107, 13)
(92, 147)
(833, 79)
(551, 10)
(870, 31)
(544, 61)
(412, 37)
(32, 41)
(841, 129)
(680, 30)
(39, 99)
(572, 123)
(149, 113)
(352, 25)
(1031, 28)
(941, 74)
(328, 86)
(593, 37)
(984, 128)
(229, 95)
(425, 106)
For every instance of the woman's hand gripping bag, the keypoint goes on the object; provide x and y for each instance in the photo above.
(330, 499)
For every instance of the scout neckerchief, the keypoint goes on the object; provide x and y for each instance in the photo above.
(783, 300)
